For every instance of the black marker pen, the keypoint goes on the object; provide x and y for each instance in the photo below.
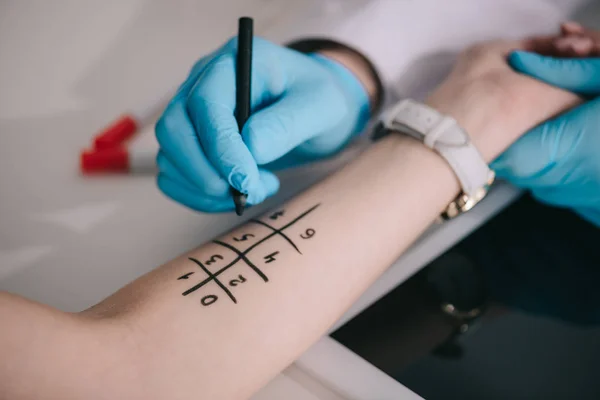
(242, 95)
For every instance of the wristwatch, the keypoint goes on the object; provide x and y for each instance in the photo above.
(442, 134)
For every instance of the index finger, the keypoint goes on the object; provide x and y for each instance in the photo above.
(211, 105)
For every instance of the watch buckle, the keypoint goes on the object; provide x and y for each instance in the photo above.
(463, 202)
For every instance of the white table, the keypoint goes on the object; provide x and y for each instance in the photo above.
(69, 67)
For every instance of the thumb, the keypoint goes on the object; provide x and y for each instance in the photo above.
(526, 161)
(538, 158)
(573, 74)
(300, 115)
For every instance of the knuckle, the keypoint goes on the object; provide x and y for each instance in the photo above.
(207, 81)
(253, 142)
(162, 163)
(214, 187)
(476, 51)
(259, 139)
(164, 128)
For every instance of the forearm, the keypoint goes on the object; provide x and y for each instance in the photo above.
(272, 322)
(361, 219)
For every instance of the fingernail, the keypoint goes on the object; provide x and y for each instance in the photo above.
(583, 46)
(572, 27)
(238, 181)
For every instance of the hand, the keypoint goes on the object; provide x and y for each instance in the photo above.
(559, 160)
(492, 102)
(304, 106)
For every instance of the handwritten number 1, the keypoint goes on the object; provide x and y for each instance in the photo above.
(186, 276)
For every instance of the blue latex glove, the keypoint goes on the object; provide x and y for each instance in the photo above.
(559, 161)
(304, 107)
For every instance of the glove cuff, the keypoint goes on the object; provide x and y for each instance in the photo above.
(314, 45)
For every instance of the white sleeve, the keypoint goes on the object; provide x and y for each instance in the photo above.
(413, 43)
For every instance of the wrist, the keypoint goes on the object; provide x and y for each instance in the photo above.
(496, 112)
(479, 111)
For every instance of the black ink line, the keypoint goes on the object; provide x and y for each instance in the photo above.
(299, 217)
(278, 231)
(186, 276)
(243, 257)
(270, 235)
(213, 277)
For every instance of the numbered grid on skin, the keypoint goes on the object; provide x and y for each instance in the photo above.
(254, 242)
(213, 260)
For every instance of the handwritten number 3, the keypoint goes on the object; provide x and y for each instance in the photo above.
(308, 234)
(214, 259)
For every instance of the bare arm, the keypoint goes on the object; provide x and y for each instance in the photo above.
(220, 321)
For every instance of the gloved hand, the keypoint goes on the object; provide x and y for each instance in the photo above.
(559, 161)
(304, 107)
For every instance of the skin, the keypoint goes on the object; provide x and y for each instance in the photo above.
(147, 341)
(577, 41)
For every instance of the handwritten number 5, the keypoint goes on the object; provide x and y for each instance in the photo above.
(244, 237)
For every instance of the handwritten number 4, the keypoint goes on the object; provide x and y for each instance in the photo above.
(276, 215)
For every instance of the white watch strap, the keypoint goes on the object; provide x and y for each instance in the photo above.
(444, 135)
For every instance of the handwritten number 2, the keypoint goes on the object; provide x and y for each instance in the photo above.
(308, 234)
(235, 282)
(214, 259)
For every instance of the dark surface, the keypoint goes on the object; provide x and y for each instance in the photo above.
(543, 263)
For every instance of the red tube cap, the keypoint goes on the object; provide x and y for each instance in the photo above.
(108, 160)
(116, 133)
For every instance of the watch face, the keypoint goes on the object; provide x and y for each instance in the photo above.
(541, 265)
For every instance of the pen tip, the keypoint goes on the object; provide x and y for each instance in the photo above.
(239, 210)
(240, 203)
